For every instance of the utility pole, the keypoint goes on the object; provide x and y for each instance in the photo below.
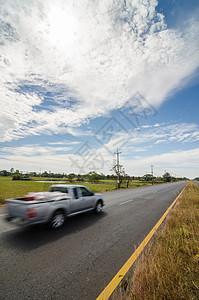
(152, 172)
(118, 167)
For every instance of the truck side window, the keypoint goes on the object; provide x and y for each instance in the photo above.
(85, 192)
(59, 189)
(75, 193)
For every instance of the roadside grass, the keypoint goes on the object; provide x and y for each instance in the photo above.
(169, 267)
(108, 180)
(48, 179)
(15, 188)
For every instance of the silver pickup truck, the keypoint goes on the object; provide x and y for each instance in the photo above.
(54, 206)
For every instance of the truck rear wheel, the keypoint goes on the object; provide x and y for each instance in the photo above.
(57, 220)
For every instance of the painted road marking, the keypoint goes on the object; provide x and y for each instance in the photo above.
(126, 202)
(106, 293)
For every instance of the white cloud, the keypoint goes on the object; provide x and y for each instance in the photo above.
(150, 136)
(59, 156)
(64, 143)
(179, 163)
(179, 133)
(146, 126)
(99, 53)
(155, 125)
(33, 150)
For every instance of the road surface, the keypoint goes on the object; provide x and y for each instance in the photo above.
(79, 260)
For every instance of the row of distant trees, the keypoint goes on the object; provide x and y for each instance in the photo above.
(91, 176)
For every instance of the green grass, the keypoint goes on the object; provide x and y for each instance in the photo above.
(108, 181)
(48, 179)
(15, 188)
(169, 267)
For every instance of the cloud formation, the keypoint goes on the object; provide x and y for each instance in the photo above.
(151, 135)
(136, 157)
(86, 58)
(178, 163)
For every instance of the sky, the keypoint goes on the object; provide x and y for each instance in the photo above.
(83, 79)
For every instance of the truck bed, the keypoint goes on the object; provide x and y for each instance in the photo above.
(23, 200)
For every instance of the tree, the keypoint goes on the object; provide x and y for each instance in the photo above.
(33, 174)
(45, 174)
(71, 176)
(127, 178)
(166, 177)
(159, 179)
(4, 173)
(148, 177)
(117, 168)
(120, 173)
(93, 176)
(17, 176)
(79, 178)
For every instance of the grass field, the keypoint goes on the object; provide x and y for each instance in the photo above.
(169, 267)
(15, 188)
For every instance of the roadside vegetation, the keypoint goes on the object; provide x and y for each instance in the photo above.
(10, 188)
(169, 267)
(14, 183)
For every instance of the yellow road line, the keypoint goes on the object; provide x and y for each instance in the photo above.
(106, 293)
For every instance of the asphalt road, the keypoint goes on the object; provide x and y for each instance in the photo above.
(79, 260)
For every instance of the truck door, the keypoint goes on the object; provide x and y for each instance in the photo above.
(87, 197)
(83, 199)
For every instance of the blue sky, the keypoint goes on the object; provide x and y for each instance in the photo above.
(80, 79)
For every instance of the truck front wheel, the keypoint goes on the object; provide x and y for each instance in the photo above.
(98, 207)
(57, 220)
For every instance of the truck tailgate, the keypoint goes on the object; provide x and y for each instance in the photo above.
(17, 209)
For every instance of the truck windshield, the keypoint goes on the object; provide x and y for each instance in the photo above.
(58, 189)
